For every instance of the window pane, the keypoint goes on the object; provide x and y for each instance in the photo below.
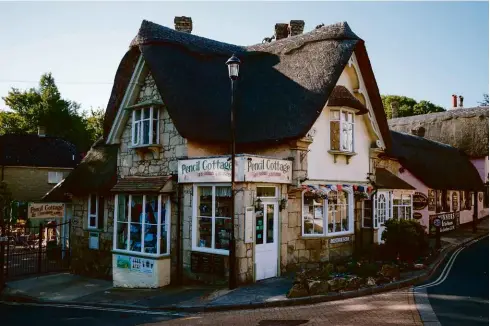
(122, 235)
(146, 132)
(154, 136)
(204, 229)
(368, 214)
(137, 115)
(136, 133)
(93, 204)
(205, 201)
(164, 227)
(334, 115)
(259, 228)
(151, 207)
(266, 191)
(155, 113)
(223, 201)
(350, 117)
(122, 218)
(335, 135)
(347, 136)
(122, 203)
(345, 116)
(313, 215)
(146, 113)
(92, 221)
(151, 238)
(344, 216)
(270, 224)
(222, 233)
(100, 216)
(136, 220)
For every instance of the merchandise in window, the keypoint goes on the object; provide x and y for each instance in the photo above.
(213, 218)
(143, 223)
(328, 216)
(402, 207)
(342, 130)
(95, 212)
(145, 126)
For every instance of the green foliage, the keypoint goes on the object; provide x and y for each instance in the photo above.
(43, 106)
(405, 239)
(484, 102)
(408, 106)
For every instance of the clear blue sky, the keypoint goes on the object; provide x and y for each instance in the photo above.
(424, 50)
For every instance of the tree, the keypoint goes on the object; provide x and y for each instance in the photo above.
(485, 100)
(45, 107)
(95, 123)
(408, 106)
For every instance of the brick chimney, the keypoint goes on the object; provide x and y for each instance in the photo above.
(394, 109)
(455, 101)
(296, 27)
(281, 31)
(183, 24)
(41, 131)
(461, 98)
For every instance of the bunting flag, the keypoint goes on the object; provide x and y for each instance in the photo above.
(354, 187)
(339, 187)
(369, 189)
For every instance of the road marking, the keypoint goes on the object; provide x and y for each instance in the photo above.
(132, 311)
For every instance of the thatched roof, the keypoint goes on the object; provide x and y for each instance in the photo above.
(282, 89)
(463, 128)
(32, 150)
(437, 165)
(95, 174)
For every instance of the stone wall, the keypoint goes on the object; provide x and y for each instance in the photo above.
(160, 162)
(85, 261)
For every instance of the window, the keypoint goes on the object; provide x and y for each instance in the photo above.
(381, 209)
(55, 177)
(367, 213)
(143, 224)
(402, 207)
(266, 192)
(145, 126)
(212, 219)
(330, 216)
(341, 130)
(95, 212)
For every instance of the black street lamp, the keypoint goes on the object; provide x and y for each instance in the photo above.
(233, 64)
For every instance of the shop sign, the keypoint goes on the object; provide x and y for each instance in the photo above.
(420, 201)
(46, 210)
(339, 240)
(247, 169)
(135, 264)
(431, 206)
(417, 215)
(448, 222)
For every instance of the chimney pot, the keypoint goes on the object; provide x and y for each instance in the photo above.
(455, 101)
(394, 109)
(296, 27)
(281, 31)
(183, 24)
(41, 131)
(461, 98)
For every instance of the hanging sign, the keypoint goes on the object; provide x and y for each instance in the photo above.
(449, 222)
(417, 215)
(420, 201)
(45, 210)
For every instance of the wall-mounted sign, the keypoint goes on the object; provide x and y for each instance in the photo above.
(419, 201)
(449, 222)
(249, 226)
(247, 168)
(339, 240)
(93, 240)
(431, 206)
(437, 222)
(135, 264)
(455, 201)
(417, 215)
(45, 210)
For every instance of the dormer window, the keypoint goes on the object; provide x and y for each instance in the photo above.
(342, 130)
(145, 126)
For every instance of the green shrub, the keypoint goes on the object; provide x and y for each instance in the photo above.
(368, 269)
(404, 238)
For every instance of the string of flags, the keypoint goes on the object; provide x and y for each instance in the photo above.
(322, 190)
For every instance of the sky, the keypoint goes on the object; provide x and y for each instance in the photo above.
(424, 50)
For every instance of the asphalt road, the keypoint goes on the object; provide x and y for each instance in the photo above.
(21, 315)
(462, 299)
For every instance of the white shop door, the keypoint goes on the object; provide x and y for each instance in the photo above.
(266, 242)
(382, 212)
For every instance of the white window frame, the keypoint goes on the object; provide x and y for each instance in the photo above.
(401, 197)
(56, 175)
(139, 142)
(342, 121)
(168, 224)
(326, 233)
(213, 217)
(363, 216)
(387, 208)
(266, 186)
(96, 215)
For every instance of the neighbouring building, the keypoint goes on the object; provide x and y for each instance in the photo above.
(32, 164)
(310, 125)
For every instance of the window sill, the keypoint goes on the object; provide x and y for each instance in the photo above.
(145, 146)
(211, 251)
(140, 254)
(94, 230)
(141, 150)
(347, 155)
(326, 236)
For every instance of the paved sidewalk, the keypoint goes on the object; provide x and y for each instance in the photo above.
(67, 288)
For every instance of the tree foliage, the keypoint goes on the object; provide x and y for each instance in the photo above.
(484, 102)
(408, 106)
(44, 106)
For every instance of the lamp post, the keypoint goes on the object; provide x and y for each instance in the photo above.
(233, 64)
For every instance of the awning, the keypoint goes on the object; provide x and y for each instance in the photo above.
(387, 180)
(144, 185)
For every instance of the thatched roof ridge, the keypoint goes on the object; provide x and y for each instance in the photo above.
(282, 89)
(437, 165)
(95, 174)
(464, 128)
